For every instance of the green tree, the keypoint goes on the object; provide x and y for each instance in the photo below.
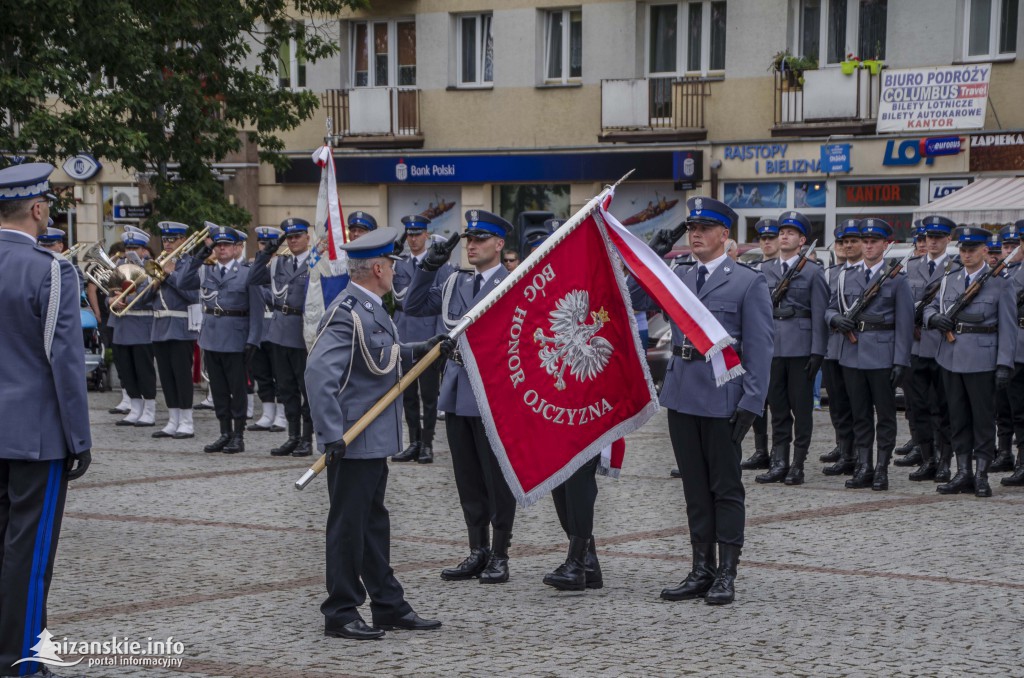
(161, 86)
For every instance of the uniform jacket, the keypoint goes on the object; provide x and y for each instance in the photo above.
(918, 279)
(44, 404)
(340, 383)
(170, 306)
(834, 338)
(994, 305)
(426, 297)
(226, 334)
(875, 350)
(287, 290)
(738, 298)
(410, 327)
(807, 294)
(268, 312)
(1017, 278)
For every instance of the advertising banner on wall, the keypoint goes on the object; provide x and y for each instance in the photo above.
(645, 208)
(438, 203)
(934, 99)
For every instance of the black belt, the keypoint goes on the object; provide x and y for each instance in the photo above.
(787, 313)
(874, 327)
(287, 310)
(218, 312)
(960, 328)
(687, 352)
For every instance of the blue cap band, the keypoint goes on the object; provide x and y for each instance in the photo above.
(717, 216)
(370, 254)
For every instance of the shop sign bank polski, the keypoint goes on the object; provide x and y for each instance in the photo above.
(934, 99)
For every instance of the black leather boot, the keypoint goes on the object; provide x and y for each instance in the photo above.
(237, 442)
(496, 571)
(225, 436)
(723, 591)
(906, 447)
(571, 575)
(701, 576)
(426, 449)
(292, 443)
(846, 463)
(595, 580)
(759, 459)
(1017, 479)
(796, 469)
(963, 481)
(410, 453)
(880, 482)
(831, 457)
(912, 458)
(1003, 463)
(864, 474)
(929, 463)
(305, 448)
(981, 486)
(942, 473)
(474, 564)
(779, 467)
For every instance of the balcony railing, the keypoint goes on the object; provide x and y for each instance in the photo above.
(645, 109)
(370, 117)
(826, 99)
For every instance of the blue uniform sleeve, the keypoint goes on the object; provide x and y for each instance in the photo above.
(255, 315)
(190, 276)
(259, 272)
(423, 296)
(1007, 324)
(327, 371)
(68, 363)
(819, 305)
(904, 317)
(757, 344)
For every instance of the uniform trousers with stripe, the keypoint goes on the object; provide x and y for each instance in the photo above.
(136, 371)
(174, 363)
(32, 497)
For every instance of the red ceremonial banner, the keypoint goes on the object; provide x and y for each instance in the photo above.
(556, 363)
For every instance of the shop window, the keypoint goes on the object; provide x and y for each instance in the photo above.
(384, 53)
(990, 29)
(514, 199)
(475, 50)
(563, 45)
(700, 41)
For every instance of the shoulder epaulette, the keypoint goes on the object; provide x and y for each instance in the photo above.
(914, 258)
(349, 302)
(748, 267)
(684, 262)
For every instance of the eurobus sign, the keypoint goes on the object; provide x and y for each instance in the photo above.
(910, 151)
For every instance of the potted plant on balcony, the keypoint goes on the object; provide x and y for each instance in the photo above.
(795, 67)
(850, 64)
(778, 61)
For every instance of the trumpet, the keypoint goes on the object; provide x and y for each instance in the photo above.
(153, 269)
(73, 251)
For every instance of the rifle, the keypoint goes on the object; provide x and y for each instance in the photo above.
(927, 298)
(871, 292)
(972, 291)
(783, 287)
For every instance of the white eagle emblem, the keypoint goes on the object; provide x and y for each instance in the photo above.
(574, 345)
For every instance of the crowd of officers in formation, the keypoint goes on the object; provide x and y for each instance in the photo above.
(947, 329)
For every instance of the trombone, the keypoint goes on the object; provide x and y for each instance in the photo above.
(73, 251)
(153, 269)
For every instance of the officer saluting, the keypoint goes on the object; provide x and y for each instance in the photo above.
(231, 327)
(46, 438)
(978, 361)
(800, 343)
(707, 423)
(353, 362)
(288, 278)
(485, 497)
(874, 364)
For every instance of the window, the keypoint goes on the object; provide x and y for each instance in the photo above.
(831, 29)
(701, 41)
(291, 65)
(990, 29)
(384, 53)
(475, 49)
(563, 45)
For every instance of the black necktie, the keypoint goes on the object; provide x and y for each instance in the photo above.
(295, 264)
(931, 268)
(867, 275)
(702, 274)
(478, 280)
(223, 272)
(967, 281)
(785, 268)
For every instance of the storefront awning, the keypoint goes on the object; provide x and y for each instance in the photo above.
(985, 202)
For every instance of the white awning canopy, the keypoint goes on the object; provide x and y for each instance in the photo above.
(986, 202)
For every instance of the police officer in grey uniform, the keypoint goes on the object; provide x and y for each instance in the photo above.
(353, 362)
(800, 343)
(926, 392)
(134, 334)
(412, 328)
(46, 439)
(978, 362)
(1006, 418)
(874, 364)
(707, 423)
(1015, 390)
(486, 499)
(232, 312)
(288, 278)
(848, 242)
(261, 367)
(768, 236)
(360, 223)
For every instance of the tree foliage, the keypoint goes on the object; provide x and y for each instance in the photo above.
(160, 86)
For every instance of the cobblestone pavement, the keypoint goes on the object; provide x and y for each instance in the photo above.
(220, 552)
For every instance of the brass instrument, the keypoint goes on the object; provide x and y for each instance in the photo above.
(98, 267)
(153, 269)
(73, 251)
